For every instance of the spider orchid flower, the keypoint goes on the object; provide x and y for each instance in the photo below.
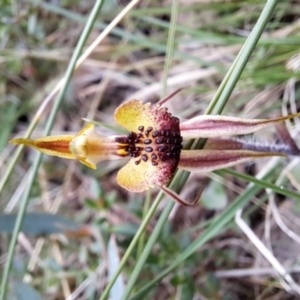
(154, 144)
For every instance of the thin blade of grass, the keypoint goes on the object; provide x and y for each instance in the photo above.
(147, 218)
(23, 205)
(58, 86)
(218, 104)
(246, 53)
(212, 230)
(170, 45)
(261, 183)
(139, 40)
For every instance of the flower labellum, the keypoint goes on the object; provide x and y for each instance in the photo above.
(154, 144)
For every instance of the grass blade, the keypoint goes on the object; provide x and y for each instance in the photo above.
(23, 205)
(213, 229)
(217, 107)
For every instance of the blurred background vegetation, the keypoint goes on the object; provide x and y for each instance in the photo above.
(79, 222)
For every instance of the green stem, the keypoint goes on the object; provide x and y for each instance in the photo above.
(264, 184)
(170, 48)
(183, 176)
(213, 229)
(143, 236)
(132, 245)
(246, 52)
(219, 103)
(23, 205)
(16, 157)
(170, 45)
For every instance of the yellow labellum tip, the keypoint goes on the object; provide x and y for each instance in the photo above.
(22, 141)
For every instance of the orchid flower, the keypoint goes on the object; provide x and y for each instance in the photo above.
(154, 144)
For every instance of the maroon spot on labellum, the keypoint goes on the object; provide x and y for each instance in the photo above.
(148, 149)
(159, 140)
(144, 157)
(162, 148)
(141, 128)
(169, 141)
(175, 148)
(133, 154)
(131, 135)
(169, 154)
(175, 119)
(155, 133)
(121, 140)
(153, 156)
(137, 162)
(149, 129)
(147, 141)
(139, 135)
(162, 157)
(154, 163)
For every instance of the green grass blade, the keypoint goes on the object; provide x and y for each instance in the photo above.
(261, 183)
(170, 45)
(140, 233)
(217, 107)
(137, 39)
(212, 230)
(49, 125)
(246, 53)
(132, 245)
(142, 239)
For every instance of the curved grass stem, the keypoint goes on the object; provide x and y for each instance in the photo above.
(216, 107)
(23, 205)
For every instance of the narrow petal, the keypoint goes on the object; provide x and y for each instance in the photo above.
(90, 148)
(167, 98)
(288, 147)
(140, 177)
(178, 199)
(217, 126)
(286, 139)
(224, 144)
(210, 160)
(51, 145)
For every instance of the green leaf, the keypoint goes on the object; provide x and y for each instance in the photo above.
(23, 291)
(37, 224)
(7, 113)
(117, 289)
(214, 196)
